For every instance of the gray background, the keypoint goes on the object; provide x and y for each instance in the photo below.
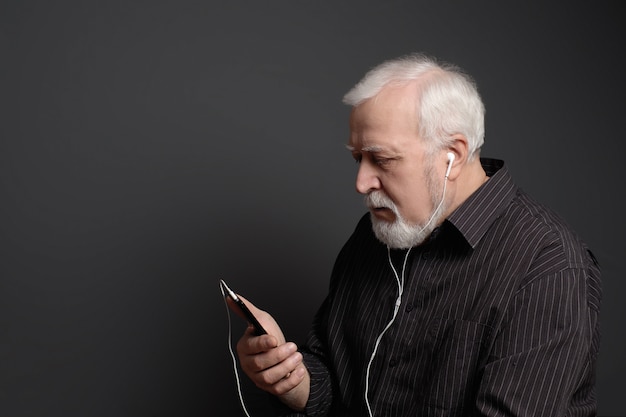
(148, 149)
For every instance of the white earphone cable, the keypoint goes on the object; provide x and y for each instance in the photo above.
(232, 355)
(400, 282)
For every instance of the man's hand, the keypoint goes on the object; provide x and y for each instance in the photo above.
(273, 364)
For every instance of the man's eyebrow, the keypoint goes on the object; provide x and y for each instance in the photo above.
(373, 148)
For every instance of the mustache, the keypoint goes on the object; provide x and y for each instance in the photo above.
(377, 199)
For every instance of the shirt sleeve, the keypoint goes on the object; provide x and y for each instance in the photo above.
(321, 394)
(543, 360)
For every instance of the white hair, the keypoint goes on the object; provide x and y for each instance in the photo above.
(448, 102)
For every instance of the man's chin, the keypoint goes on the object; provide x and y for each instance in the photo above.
(396, 234)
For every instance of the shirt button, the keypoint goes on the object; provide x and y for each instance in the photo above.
(392, 363)
(409, 307)
(426, 255)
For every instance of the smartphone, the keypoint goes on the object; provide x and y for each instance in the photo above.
(258, 329)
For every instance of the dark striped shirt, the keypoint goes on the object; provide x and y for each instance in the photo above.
(499, 317)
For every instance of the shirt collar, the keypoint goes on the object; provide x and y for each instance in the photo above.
(485, 205)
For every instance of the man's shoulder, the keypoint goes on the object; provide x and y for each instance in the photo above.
(553, 235)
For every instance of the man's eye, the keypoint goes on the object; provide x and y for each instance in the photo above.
(382, 161)
(357, 158)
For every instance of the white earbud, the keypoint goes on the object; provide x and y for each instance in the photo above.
(450, 161)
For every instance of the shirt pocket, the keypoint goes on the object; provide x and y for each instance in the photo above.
(456, 350)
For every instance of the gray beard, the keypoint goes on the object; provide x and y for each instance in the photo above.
(400, 234)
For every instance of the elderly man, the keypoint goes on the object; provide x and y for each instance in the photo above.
(457, 294)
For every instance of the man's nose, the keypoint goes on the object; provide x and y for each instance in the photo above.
(366, 178)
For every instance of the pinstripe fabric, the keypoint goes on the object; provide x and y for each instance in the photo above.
(499, 317)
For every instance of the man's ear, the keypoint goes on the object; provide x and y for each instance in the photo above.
(457, 153)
